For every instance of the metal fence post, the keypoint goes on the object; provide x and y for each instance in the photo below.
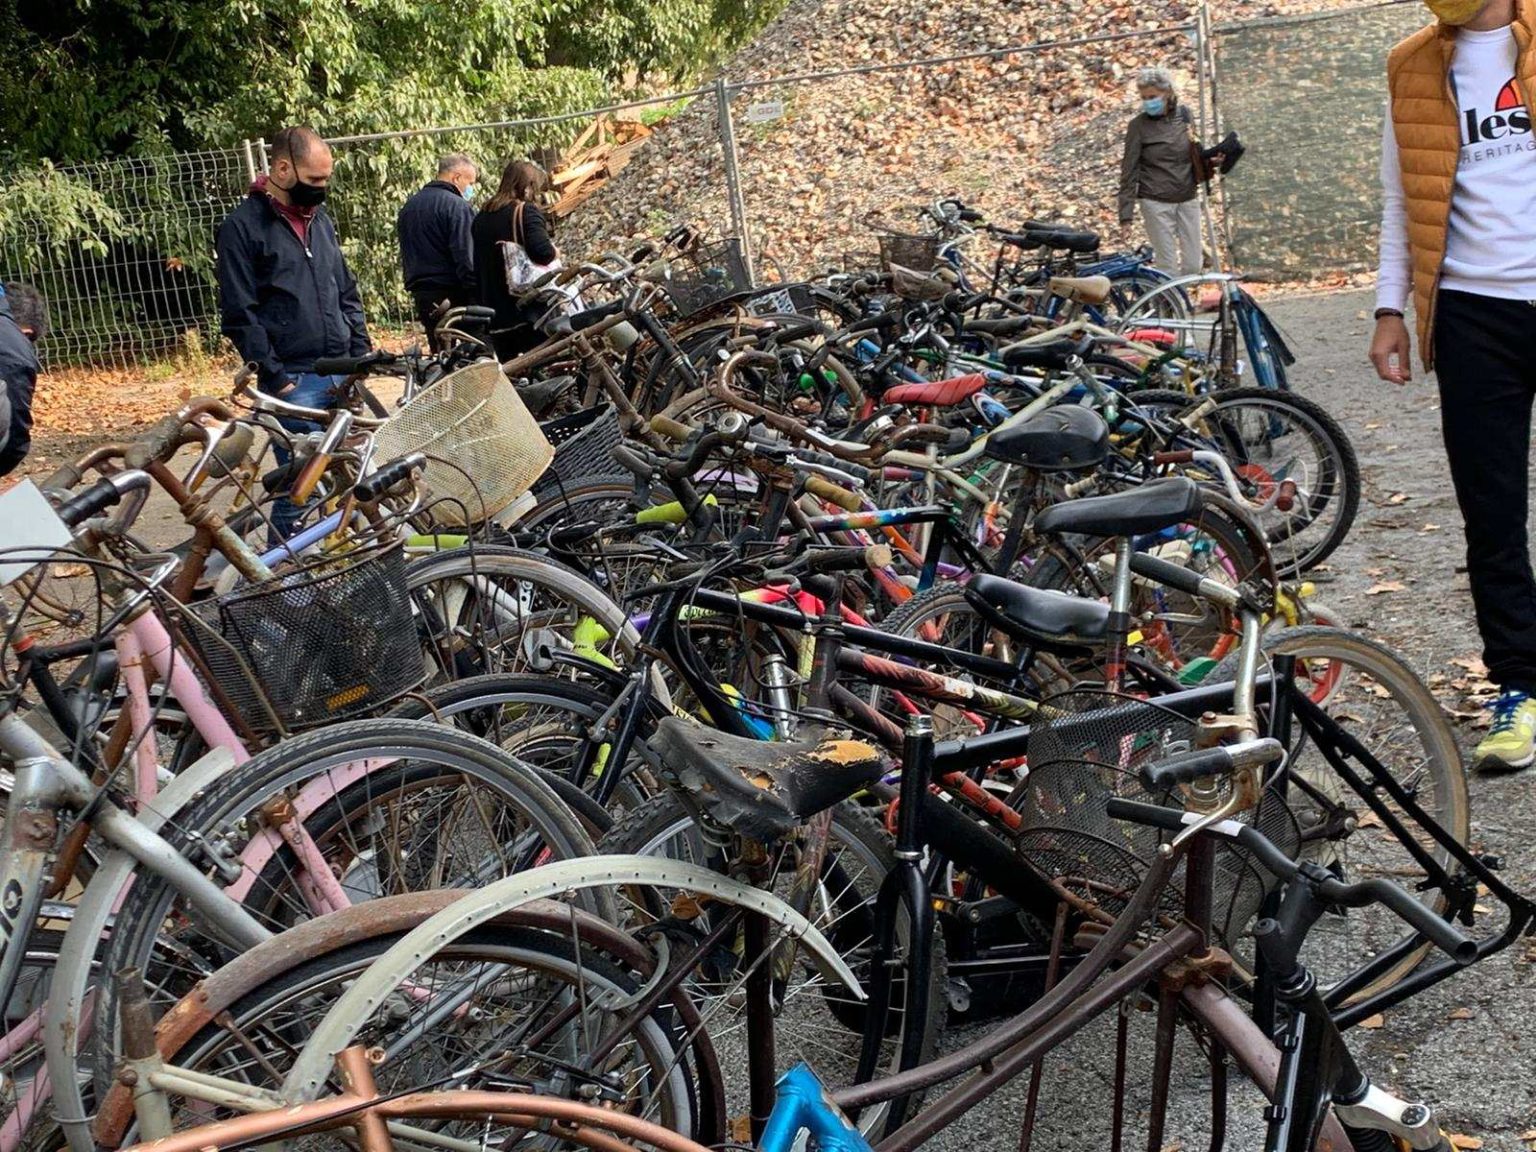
(250, 161)
(733, 175)
(261, 152)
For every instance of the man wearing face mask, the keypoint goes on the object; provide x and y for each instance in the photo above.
(286, 297)
(1458, 238)
(436, 254)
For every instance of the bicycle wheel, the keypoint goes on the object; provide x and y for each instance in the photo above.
(1373, 694)
(548, 723)
(483, 609)
(391, 806)
(817, 1023)
(1268, 437)
(530, 1005)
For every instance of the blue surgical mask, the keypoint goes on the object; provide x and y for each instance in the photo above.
(469, 192)
(1155, 106)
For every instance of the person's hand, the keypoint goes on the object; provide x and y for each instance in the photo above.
(1391, 350)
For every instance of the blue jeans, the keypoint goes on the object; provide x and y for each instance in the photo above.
(312, 391)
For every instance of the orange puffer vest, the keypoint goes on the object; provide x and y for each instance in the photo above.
(1428, 129)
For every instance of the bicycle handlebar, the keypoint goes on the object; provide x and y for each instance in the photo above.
(1420, 917)
(101, 495)
(1186, 767)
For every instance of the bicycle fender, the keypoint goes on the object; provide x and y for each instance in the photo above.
(307, 1078)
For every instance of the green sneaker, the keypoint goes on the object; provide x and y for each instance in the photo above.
(1511, 740)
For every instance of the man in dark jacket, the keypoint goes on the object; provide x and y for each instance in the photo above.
(286, 297)
(23, 322)
(434, 241)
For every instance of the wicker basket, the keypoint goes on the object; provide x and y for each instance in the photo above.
(919, 253)
(483, 446)
(706, 273)
(324, 642)
(584, 442)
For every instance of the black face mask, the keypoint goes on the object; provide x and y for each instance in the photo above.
(305, 195)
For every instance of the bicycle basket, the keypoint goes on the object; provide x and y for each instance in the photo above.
(584, 442)
(704, 274)
(327, 641)
(918, 253)
(484, 447)
(1087, 747)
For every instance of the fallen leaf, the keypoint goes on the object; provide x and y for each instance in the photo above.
(1371, 1023)
(1386, 586)
(1459, 1014)
(1429, 528)
(1375, 571)
(1472, 664)
(1465, 1143)
(1528, 1134)
(1372, 427)
(1397, 498)
(1368, 820)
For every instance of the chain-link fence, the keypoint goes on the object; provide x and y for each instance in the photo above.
(1308, 94)
(123, 250)
(809, 166)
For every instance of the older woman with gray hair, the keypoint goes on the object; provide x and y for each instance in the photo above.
(1158, 171)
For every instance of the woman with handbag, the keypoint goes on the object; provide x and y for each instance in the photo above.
(512, 246)
(1161, 169)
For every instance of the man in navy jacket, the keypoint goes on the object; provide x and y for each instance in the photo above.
(435, 252)
(286, 297)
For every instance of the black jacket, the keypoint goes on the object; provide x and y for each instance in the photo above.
(284, 302)
(18, 380)
(434, 240)
(489, 230)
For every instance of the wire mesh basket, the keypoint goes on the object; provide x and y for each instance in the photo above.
(327, 641)
(584, 442)
(705, 273)
(782, 300)
(919, 253)
(1088, 747)
(484, 447)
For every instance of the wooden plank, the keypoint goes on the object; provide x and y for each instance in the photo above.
(580, 141)
(576, 174)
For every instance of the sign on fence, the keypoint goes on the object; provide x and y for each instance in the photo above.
(764, 111)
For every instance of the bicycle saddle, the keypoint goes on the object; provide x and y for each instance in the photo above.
(1082, 289)
(1050, 620)
(759, 788)
(1153, 506)
(936, 393)
(1065, 438)
(541, 395)
(1059, 239)
(1049, 356)
(1001, 325)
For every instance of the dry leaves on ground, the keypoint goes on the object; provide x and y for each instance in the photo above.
(1386, 586)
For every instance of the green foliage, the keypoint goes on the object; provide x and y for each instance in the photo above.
(46, 212)
(95, 78)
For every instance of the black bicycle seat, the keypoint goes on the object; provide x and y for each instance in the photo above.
(1065, 438)
(1052, 357)
(759, 788)
(1057, 239)
(1149, 508)
(1051, 620)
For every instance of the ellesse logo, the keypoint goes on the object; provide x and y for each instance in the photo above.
(1508, 118)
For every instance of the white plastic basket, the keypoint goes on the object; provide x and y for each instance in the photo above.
(484, 449)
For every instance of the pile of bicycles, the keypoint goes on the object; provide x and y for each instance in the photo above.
(672, 737)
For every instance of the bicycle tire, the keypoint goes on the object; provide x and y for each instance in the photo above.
(1451, 804)
(1325, 430)
(456, 643)
(233, 808)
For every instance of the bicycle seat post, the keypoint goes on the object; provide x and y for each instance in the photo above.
(1119, 626)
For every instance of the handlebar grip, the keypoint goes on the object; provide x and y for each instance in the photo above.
(1183, 456)
(343, 365)
(824, 561)
(1185, 767)
(1422, 918)
(1162, 572)
(381, 480)
(63, 479)
(309, 476)
(671, 429)
(631, 461)
(971, 216)
(584, 320)
(99, 496)
(827, 460)
(823, 489)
